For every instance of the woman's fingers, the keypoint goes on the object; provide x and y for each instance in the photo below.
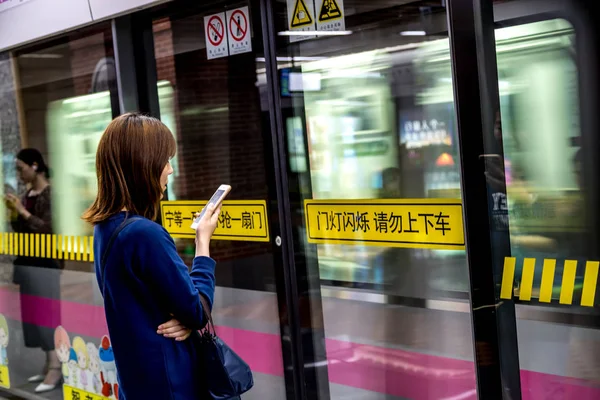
(172, 329)
(210, 209)
(169, 324)
(11, 199)
(216, 215)
(185, 336)
(175, 330)
(183, 333)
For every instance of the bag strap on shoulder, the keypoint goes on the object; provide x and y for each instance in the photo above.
(207, 315)
(111, 241)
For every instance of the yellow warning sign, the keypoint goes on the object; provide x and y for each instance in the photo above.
(4, 377)
(330, 10)
(301, 15)
(70, 393)
(419, 223)
(239, 220)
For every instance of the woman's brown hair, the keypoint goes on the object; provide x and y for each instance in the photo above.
(131, 157)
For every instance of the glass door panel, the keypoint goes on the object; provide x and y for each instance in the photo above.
(213, 107)
(549, 170)
(374, 181)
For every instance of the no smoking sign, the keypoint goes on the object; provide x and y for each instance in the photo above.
(238, 31)
(215, 34)
(228, 33)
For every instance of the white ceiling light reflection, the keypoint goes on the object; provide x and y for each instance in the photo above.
(412, 33)
(295, 58)
(314, 33)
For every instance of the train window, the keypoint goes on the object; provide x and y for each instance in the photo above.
(374, 176)
(550, 269)
(215, 108)
(56, 100)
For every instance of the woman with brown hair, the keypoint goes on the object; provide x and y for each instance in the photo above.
(152, 302)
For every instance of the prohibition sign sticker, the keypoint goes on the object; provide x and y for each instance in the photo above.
(239, 31)
(214, 32)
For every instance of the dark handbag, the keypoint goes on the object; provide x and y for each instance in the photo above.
(227, 375)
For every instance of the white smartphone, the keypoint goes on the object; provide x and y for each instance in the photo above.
(216, 199)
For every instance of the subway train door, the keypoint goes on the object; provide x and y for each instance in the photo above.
(372, 170)
(211, 95)
(539, 157)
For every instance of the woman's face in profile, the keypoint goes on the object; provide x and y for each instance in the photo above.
(26, 172)
(164, 177)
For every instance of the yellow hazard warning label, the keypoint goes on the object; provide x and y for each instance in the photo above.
(71, 393)
(4, 374)
(330, 10)
(302, 15)
(559, 282)
(418, 223)
(239, 219)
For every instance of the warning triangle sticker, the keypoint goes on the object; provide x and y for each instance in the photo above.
(329, 10)
(301, 16)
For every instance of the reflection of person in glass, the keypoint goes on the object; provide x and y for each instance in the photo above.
(36, 276)
(391, 186)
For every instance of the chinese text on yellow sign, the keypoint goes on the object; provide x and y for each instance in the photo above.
(239, 220)
(73, 393)
(422, 223)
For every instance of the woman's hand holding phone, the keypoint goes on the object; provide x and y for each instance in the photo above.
(205, 229)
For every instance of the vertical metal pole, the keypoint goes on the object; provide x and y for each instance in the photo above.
(290, 327)
(307, 343)
(472, 46)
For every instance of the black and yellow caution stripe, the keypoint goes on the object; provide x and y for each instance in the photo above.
(546, 287)
(60, 247)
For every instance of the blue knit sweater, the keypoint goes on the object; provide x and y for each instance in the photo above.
(145, 282)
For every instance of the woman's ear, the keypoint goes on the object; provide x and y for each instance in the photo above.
(34, 166)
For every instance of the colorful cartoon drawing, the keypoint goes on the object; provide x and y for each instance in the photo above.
(73, 368)
(108, 369)
(82, 360)
(3, 340)
(94, 368)
(62, 344)
(86, 369)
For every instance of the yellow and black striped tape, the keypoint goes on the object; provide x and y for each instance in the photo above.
(567, 286)
(60, 247)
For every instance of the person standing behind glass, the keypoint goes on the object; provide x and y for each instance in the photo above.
(36, 276)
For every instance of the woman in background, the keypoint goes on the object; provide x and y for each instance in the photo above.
(36, 276)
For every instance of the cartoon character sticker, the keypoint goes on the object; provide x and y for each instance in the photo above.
(82, 360)
(108, 369)
(94, 368)
(62, 344)
(73, 368)
(87, 369)
(4, 338)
